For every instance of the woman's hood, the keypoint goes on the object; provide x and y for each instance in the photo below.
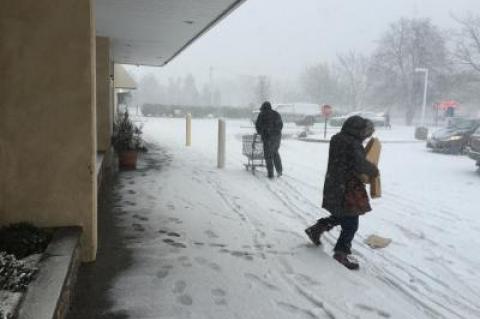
(358, 127)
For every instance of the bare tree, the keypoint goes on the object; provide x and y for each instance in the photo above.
(262, 90)
(321, 84)
(190, 94)
(468, 42)
(407, 45)
(353, 69)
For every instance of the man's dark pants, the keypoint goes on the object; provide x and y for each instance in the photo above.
(349, 226)
(271, 145)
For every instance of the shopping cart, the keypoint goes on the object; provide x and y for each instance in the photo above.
(252, 148)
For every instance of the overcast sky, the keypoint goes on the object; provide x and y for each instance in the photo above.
(280, 37)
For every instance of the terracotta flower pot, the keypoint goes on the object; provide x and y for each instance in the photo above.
(127, 159)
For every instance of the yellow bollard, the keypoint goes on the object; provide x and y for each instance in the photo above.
(221, 144)
(188, 138)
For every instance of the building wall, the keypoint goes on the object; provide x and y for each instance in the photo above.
(104, 93)
(47, 115)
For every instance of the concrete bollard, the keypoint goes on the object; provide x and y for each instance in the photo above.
(221, 144)
(188, 137)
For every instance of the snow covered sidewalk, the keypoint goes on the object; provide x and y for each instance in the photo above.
(209, 243)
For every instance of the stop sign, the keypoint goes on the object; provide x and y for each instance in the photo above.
(327, 110)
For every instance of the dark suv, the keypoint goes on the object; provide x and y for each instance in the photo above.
(454, 137)
(473, 149)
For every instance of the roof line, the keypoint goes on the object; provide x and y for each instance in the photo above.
(222, 15)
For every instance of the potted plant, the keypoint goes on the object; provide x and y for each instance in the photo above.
(127, 141)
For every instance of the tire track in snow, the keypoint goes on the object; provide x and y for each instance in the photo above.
(306, 217)
(231, 203)
(435, 296)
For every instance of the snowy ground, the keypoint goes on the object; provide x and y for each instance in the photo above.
(212, 243)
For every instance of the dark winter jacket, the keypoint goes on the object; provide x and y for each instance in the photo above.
(344, 193)
(269, 123)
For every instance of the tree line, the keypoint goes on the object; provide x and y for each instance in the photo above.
(387, 79)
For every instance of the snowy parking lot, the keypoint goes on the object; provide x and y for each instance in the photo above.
(210, 243)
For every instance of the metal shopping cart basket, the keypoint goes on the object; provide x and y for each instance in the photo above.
(252, 148)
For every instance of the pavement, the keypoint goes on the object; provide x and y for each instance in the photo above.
(91, 296)
(182, 239)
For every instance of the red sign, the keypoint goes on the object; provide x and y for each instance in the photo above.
(444, 105)
(327, 110)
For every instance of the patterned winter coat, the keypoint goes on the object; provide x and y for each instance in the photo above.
(344, 194)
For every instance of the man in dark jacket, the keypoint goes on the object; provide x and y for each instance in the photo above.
(269, 125)
(344, 193)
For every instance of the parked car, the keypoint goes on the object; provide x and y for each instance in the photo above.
(473, 148)
(454, 137)
(378, 119)
(303, 114)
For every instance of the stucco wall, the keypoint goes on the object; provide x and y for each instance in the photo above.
(104, 103)
(47, 115)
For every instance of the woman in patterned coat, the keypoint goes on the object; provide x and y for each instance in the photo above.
(344, 193)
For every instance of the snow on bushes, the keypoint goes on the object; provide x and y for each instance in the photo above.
(15, 275)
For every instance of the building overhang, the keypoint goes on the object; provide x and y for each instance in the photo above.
(153, 32)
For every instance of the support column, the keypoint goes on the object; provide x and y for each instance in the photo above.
(188, 130)
(221, 144)
(104, 89)
(47, 115)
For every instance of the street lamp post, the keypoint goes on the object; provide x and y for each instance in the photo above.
(425, 88)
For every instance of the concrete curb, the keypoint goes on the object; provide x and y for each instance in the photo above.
(316, 140)
(49, 295)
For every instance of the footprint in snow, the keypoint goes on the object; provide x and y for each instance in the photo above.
(162, 273)
(173, 243)
(217, 245)
(138, 227)
(175, 220)
(218, 295)
(215, 266)
(183, 258)
(201, 260)
(142, 218)
(179, 245)
(173, 234)
(210, 234)
(242, 254)
(179, 287)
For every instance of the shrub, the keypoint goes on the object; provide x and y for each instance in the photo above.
(126, 135)
(15, 275)
(23, 239)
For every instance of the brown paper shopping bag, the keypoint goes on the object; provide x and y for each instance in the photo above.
(373, 150)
